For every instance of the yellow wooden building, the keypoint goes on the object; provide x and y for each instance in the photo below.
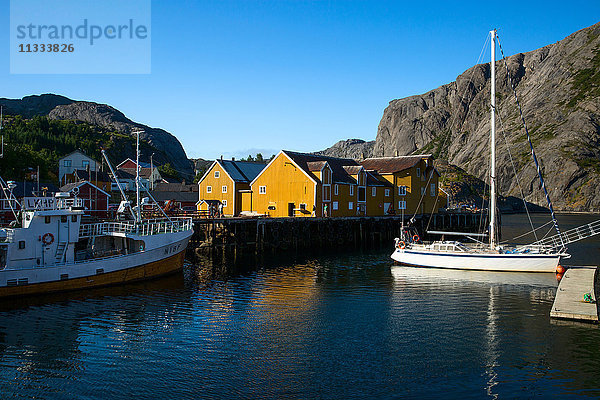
(303, 185)
(415, 183)
(226, 181)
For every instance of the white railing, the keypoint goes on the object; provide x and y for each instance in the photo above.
(145, 228)
(570, 236)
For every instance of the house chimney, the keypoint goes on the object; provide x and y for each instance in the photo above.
(232, 158)
(221, 157)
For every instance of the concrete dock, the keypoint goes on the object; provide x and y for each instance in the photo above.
(569, 301)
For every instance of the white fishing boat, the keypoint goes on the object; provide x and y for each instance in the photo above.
(542, 256)
(50, 249)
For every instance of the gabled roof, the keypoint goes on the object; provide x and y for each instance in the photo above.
(70, 186)
(142, 164)
(80, 152)
(241, 171)
(390, 165)
(209, 202)
(311, 162)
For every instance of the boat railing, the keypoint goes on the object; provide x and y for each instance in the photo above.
(145, 228)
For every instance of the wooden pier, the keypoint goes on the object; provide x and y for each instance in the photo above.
(232, 238)
(569, 301)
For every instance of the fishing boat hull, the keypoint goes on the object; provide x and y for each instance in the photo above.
(106, 271)
(478, 261)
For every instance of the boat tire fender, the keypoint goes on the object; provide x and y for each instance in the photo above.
(416, 238)
(48, 238)
(401, 244)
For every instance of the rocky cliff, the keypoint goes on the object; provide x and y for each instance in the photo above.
(352, 148)
(559, 90)
(105, 116)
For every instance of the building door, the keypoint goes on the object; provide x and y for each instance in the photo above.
(291, 208)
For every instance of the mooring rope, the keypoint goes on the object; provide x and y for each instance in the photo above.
(539, 170)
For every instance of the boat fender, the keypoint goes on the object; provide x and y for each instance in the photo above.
(560, 269)
(48, 238)
(401, 244)
(416, 238)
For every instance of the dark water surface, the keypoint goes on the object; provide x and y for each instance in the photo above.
(334, 327)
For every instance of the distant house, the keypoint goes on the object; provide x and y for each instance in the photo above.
(149, 174)
(184, 196)
(226, 181)
(98, 178)
(303, 185)
(73, 161)
(125, 179)
(95, 200)
(415, 182)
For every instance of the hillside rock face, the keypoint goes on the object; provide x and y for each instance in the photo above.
(62, 108)
(352, 148)
(559, 90)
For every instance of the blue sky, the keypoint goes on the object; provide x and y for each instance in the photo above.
(237, 77)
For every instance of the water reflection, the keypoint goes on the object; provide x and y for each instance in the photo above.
(350, 326)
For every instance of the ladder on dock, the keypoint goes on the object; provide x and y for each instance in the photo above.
(572, 235)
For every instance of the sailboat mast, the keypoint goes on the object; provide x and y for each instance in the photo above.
(493, 144)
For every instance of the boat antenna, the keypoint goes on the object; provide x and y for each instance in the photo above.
(493, 143)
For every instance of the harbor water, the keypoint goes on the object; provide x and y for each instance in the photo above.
(349, 325)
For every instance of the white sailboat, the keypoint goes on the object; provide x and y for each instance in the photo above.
(538, 257)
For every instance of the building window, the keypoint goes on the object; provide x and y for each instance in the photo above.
(224, 189)
(387, 192)
(67, 163)
(350, 205)
(47, 219)
(217, 174)
(21, 244)
(418, 172)
(326, 193)
(351, 190)
(432, 189)
(402, 205)
(224, 203)
(85, 164)
(63, 218)
(423, 191)
(336, 189)
(326, 176)
(209, 189)
(362, 194)
(335, 205)
(401, 190)
(373, 191)
(262, 190)
(361, 178)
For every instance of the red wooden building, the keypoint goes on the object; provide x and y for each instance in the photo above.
(95, 199)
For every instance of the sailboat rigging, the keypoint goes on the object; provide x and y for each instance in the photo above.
(536, 257)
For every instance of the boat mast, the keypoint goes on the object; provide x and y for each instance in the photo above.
(493, 144)
(137, 176)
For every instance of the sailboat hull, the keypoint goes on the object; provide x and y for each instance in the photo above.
(478, 261)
